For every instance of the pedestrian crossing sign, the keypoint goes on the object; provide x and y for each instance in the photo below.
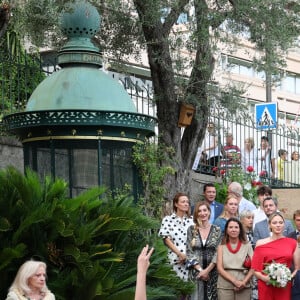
(266, 116)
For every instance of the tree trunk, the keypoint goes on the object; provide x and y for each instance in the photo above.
(157, 36)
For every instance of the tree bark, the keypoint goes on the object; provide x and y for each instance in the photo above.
(157, 35)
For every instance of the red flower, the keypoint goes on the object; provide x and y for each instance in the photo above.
(255, 183)
(250, 169)
(222, 172)
(263, 174)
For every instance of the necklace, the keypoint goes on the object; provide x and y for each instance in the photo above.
(239, 244)
(204, 227)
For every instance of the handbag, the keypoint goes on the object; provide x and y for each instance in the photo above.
(247, 262)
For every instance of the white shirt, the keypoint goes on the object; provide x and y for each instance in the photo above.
(264, 157)
(249, 159)
(246, 205)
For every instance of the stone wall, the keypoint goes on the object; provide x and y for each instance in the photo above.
(11, 153)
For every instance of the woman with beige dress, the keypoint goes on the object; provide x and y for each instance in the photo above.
(234, 275)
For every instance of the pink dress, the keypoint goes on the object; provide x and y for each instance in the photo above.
(280, 251)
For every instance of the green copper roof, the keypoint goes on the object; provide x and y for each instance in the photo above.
(80, 84)
(80, 88)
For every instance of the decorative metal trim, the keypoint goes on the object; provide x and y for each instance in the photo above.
(78, 117)
(111, 138)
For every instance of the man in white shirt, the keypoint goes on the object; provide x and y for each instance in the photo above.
(259, 214)
(244, 204)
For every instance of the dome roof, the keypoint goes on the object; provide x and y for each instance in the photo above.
(80, 84)
(80, 88)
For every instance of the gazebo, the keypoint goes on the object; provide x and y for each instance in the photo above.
(79, 123)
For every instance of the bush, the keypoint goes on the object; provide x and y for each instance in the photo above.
(90, 243)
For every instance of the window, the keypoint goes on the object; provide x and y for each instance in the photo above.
(290, 83)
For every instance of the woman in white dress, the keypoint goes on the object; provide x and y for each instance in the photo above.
(295, 168)
(249, 155)
(173, 230)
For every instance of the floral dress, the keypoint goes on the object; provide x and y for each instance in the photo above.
(175, 228)
(203, 253)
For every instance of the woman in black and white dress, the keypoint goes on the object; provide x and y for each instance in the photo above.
(173, 230)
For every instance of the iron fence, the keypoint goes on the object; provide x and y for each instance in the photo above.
(20, 75)
(234, 141)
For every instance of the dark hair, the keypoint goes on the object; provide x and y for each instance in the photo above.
(281, 152)
(296, 213)
(265, 138)
(242, 234)
(206, 185)
(263, 190)
(293, 154)
(196, 208)
(271, 198)
(176, 199)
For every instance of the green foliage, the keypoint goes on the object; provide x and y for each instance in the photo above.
(221, 189)
(249, 180)
(148, 158)
(90, 243)
(20, 73)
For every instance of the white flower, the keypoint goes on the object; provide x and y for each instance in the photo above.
(247, 186)
(279, 274)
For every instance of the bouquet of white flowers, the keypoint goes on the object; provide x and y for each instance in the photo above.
(279, 274)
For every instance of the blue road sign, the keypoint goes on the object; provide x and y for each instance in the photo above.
(266, 116)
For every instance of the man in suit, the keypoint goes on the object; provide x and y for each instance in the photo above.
(296, 233)
(210, 193)
(261, 229)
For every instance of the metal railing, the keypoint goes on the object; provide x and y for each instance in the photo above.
(19, 76)
(234, 141)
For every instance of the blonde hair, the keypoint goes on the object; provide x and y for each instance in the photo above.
(251, 141)
(196, 221)
(229, 196)
(27, 270)
(275, 214)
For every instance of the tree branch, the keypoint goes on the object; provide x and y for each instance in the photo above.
(173, 16)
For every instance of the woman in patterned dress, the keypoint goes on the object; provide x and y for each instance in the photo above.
(173, 230)
(203, 239)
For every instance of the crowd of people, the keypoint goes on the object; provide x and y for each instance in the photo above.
(225, 248)
(217, 153)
